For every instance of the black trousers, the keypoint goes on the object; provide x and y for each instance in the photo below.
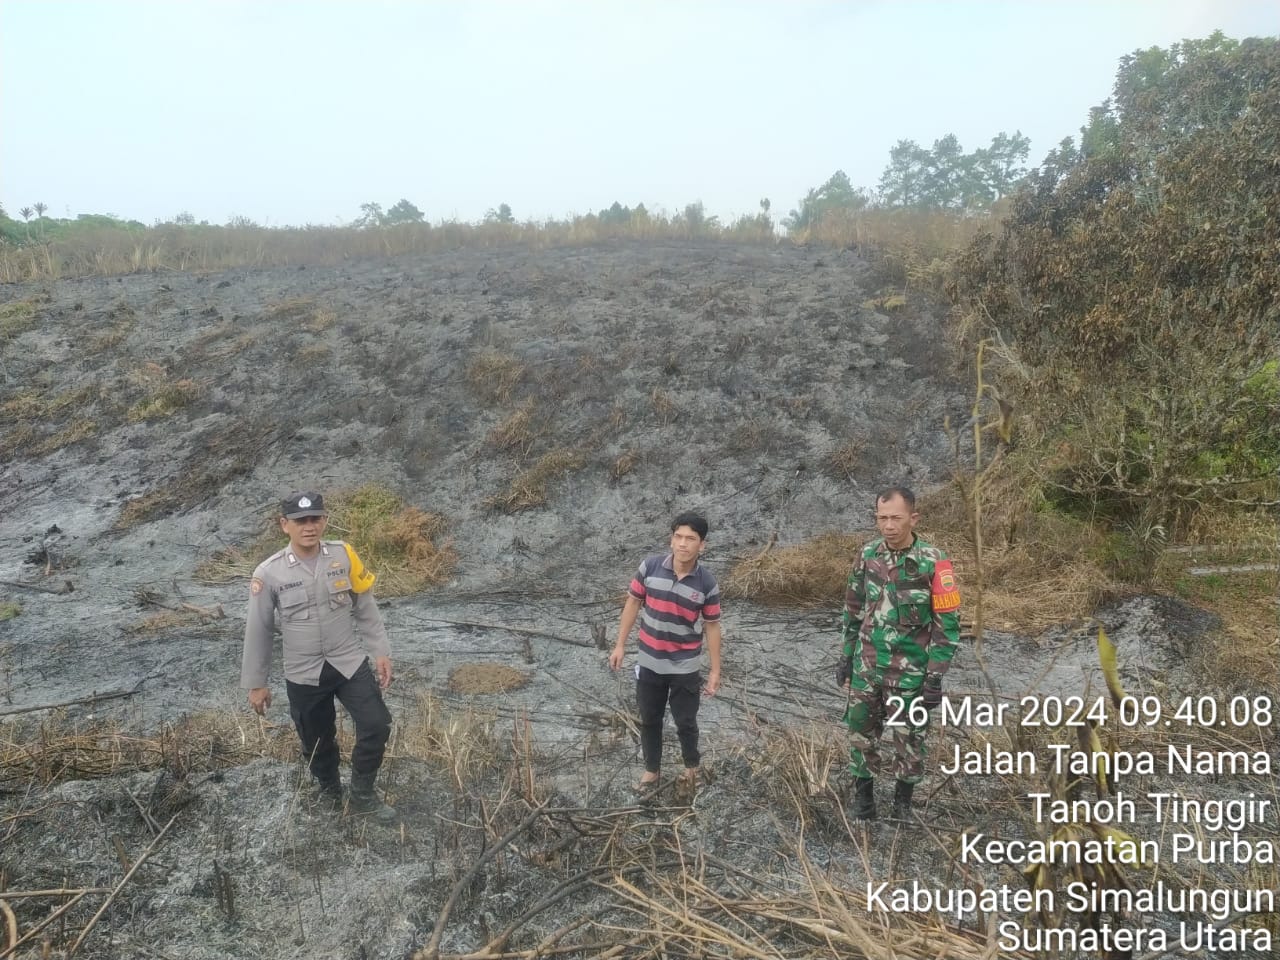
(316, 720)
(653, 692)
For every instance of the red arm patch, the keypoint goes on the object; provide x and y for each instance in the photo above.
(946, 595)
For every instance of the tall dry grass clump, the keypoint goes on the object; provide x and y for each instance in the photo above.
(56, 750)
(81, 250)
(465, 743)
(529, 488)
(1040, 568)
(806, 573)
(493, 375)
(910, 249)
(405, 547)
(516, 434)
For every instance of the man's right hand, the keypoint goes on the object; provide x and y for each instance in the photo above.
(615, 658)
(260, 699)
(844, 671)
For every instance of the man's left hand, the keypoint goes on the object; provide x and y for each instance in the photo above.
(713, 683)
(382, 667)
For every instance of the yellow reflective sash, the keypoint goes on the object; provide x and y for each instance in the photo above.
(361, 579)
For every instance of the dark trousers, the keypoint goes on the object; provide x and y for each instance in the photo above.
(316, 720)
(653, 692)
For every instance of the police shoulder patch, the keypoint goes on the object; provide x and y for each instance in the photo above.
(255, 586)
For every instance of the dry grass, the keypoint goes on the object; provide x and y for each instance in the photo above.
(122, 321)
(147, 507)
(33, 405)
(226, 452)
(224, 339)
(1198, 572)
(664, 406)
(886, 303)
(529, 488)
(801, 764)
(25, 406)
(755, 435)
(165, 399)
(108, 251)
(56, 751)
(293, 308)
(403, 546)
(494, 375)
(18, 316)
(321, 321)
(462, 742)
(807, 573)
(166, 620)
(909, 248)
(1040, 567)
(515, 434)
(9, 610)
(480, 678)
(76, 431)
(20, 438)
(624, 465)
(844, 459)
(314, 353)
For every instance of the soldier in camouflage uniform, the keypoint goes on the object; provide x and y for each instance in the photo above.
(900, 632)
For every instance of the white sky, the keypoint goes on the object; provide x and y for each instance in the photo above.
(297, 112)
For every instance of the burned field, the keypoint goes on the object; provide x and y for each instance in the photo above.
(518, 428)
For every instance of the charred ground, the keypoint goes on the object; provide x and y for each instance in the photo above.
(551, 409)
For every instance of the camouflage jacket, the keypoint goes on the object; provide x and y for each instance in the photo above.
(900, 613)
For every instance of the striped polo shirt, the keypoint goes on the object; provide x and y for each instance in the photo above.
(673, 614)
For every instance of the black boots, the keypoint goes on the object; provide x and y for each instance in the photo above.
(902, 800)
(864, 799)
(329, 794)
(366, 802)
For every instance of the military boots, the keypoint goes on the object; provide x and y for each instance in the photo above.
(864, 799)
(902, 800)
(366, 802)
(328, 794)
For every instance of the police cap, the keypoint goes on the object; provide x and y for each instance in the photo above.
(307, 504)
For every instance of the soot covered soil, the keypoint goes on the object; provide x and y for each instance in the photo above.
(155, 420)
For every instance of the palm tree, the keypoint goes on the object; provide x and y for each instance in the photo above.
(25, 213)
(40, 209)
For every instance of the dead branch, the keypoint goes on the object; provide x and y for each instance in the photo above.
(572, 885)
(146, 814)
(120, 886)
(509, 629)
(432, 950)
(30, 934)
(533, 953)
(64, 892)
(65, 587)
(92, 698)
(11, 925)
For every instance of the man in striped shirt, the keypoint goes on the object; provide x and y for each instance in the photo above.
(677, 600)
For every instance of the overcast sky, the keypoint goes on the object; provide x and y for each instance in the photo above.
(298, 112)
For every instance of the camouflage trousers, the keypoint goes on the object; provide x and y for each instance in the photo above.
(872, 708)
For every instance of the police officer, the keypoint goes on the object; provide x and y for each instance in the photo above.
(321, 592)
(901, 628)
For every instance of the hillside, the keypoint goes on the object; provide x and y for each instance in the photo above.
(547, 412)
